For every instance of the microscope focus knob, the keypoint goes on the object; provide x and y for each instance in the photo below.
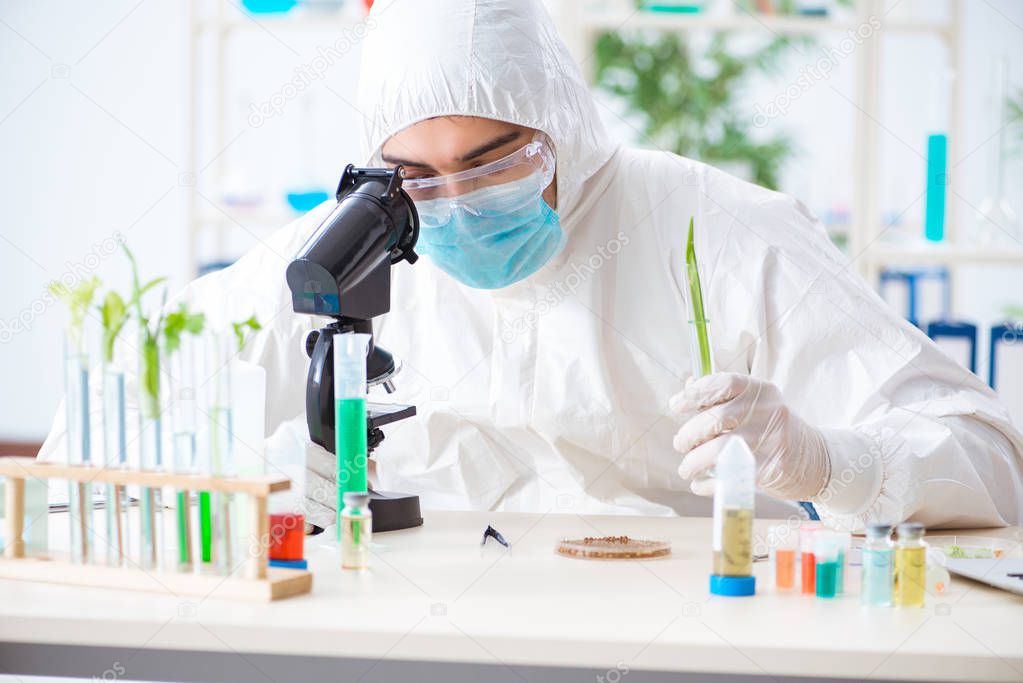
(310, 342)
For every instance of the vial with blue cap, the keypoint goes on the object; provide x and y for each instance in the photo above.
(735, 491)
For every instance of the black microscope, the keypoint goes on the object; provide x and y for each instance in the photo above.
(343, 271)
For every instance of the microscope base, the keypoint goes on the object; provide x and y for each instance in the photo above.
(394, 511)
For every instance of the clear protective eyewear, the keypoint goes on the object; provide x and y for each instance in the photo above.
(496, 188)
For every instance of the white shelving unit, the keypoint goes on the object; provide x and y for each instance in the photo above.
(582, 21)
(220, 22)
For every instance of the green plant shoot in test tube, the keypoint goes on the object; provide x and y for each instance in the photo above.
(149, 408)
(699, 320)
(178, 323)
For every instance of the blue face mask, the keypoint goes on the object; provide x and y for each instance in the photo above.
(482, 242)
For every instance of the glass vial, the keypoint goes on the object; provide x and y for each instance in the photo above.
(733, 521)
(828, 557)
(878, 558)
(807, 561)
(356, 531)
(910, 566)
(782, 540)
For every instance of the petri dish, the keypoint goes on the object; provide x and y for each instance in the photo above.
(612, 548)
(975, 547)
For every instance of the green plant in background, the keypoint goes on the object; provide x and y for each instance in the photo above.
(77, 299)
(687, 101)
(149, 373)
(242, 328)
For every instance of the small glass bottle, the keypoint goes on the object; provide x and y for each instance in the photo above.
(876, 588)
(782, 540)
(828, 558)
(807, 562)
(844, 539)
(356, 531)
(910, 566)
(733, 521)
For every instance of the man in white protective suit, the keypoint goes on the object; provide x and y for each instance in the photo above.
(544, 336)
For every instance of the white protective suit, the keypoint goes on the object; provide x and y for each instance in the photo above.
(552, 394)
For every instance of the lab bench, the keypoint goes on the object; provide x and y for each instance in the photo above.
(437, 606)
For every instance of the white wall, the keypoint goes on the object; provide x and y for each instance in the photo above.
(93, 123)
(93, 142)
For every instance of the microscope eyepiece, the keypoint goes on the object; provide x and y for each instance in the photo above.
(343, 269)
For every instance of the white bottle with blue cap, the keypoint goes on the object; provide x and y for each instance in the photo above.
(734, 495)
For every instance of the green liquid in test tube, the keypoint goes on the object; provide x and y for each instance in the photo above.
(350, 352)
(205, 526)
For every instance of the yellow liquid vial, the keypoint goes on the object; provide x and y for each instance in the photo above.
(910, 577)
(735, 558)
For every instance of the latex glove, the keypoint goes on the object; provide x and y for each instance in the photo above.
(792, 458)
(320, 504)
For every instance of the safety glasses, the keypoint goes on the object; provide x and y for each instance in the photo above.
(534, 159)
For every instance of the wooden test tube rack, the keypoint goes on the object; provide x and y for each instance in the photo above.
(254, 582)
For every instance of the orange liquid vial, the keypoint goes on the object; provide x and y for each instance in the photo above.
(785, 569)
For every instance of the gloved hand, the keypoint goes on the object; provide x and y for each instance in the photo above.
(320, 503)
(792, 458)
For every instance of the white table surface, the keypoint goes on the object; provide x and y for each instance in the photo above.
(433, 595)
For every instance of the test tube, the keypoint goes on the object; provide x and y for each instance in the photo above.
(115, 455)
(183, 424)
(78, 451)
(150, 499)
(828, 557)
(876, 587)
(910, 566)
(807, 562)
(782, 540)
(350, 351)
(701, 354)
(356, 531)
(216, 528)
(734, 495)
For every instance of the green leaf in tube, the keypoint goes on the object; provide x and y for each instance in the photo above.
(77, 299)
(180, 322)
(696, 301)
(114, 314)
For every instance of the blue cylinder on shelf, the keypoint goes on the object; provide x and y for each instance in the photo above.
(268, 6)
